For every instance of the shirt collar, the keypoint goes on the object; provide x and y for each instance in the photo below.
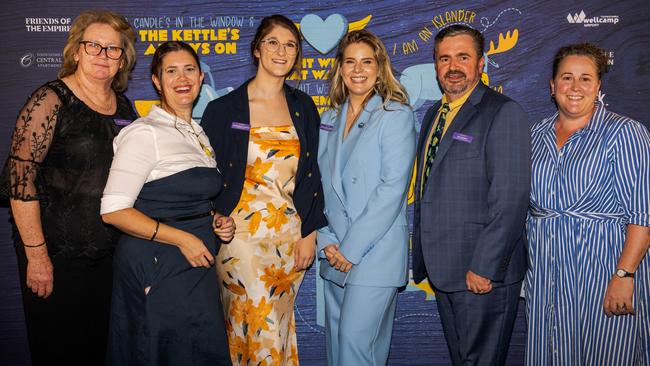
(596, 120)
(161, 115)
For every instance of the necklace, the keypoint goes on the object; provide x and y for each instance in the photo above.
(96, 106)
(204, 147)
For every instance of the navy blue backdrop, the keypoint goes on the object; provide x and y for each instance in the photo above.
(521, 38)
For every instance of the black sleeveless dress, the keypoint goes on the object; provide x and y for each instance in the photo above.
(180, 320)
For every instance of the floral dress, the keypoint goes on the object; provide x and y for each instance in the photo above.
(258, 281)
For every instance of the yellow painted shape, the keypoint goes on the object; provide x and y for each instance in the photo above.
(144, 106)
(359, 24)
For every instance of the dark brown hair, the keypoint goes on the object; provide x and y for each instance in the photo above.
(457, 30)
(266, 27)
(591, 50)
(163, 50)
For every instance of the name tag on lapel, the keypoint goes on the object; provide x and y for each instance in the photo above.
(240, 126)
(327, 128)
(122, 122)
(463, 138)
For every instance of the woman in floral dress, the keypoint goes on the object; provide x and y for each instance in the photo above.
(265, 136)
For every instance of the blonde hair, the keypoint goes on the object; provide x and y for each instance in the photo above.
(387, 85)
(120, 25)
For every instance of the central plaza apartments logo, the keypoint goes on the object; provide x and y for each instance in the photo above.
(581, 18)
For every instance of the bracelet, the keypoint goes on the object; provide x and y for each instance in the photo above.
(34, 246)
(155, 232)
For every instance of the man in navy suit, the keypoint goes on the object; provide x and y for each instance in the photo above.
(472, 191)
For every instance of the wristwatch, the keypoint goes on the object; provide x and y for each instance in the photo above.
(620, 272)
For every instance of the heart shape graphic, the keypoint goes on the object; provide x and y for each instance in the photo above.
(321, 34)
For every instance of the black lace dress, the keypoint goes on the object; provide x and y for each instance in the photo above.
(60, 156)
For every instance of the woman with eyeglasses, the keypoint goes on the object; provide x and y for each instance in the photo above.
(265, 135)
(58, 163)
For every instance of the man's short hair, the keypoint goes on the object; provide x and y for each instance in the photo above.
(456, 30)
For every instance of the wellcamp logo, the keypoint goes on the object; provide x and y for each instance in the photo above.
(581, 18)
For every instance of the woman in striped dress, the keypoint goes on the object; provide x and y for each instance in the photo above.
(588, 286)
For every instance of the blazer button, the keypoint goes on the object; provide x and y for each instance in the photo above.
(315, 194)
(309, 175)
(225, 185)
(307, 154)
(230, 164)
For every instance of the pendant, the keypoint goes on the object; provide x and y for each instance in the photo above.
(208, 152)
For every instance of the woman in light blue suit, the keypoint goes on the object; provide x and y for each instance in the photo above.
(367, 144)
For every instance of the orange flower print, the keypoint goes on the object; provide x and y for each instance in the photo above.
(279, 148)
(276, 217)
(236, 288)
(257, 316)
(277, 281)
(244, 201)
(241, 348)
(294, 355)
(253, 347)
(239, 308)
(254, 223)
(256, 171)
(276, 357)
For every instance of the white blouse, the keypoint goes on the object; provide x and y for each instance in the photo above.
(151, 148)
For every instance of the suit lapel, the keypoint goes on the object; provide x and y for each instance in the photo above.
(364, 121)
(334, 141)
(242, 113)
(464, 116)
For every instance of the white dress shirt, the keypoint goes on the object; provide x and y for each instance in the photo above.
(151, 148)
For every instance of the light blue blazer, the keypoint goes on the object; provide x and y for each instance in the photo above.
(365, 193)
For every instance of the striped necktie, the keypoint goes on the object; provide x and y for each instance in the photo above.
(435, 141)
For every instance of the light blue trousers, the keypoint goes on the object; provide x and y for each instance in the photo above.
(358, 324)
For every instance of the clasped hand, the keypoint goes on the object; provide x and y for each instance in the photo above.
(224, 227)
(336, 259)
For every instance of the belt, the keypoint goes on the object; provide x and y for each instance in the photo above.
(545, 213)
(185, 218)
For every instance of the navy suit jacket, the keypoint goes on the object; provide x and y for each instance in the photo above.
(472, 211)
(226, 122)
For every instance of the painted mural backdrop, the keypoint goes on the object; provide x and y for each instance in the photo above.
(521, 37)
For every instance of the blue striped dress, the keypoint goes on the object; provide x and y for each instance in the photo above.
(582, 198)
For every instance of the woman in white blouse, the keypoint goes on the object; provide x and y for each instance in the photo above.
(165, 306)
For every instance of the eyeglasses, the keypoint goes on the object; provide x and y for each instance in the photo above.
(95, 49)
(273, 45)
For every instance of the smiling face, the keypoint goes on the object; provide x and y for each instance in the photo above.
(276, 63)
(99, 67)
(576, 87)
(180, 81)
(359, 70)
(458, 66)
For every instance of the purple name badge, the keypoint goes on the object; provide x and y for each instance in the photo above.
(327, 128)
(241, 126)
(463, 138)
(122, 122)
